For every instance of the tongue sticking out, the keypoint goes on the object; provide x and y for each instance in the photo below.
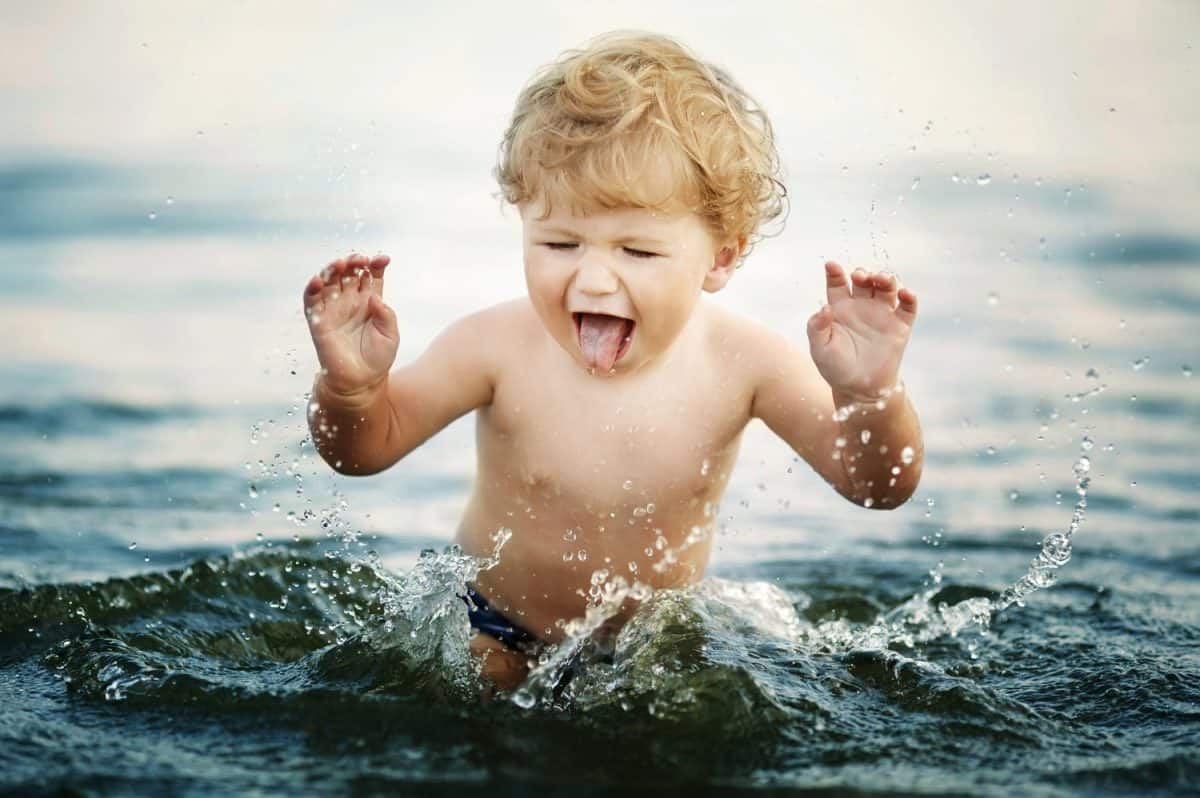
(602, 338)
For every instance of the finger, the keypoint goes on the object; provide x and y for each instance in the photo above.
(376, 267)
(860, 281)
(312, 290)
(820, 324)
(907, 309)
(349, 282)
(333, 271)
(885, 285)
(314, 299)
(382, 316)
(378, 264)
(356, 261)
(837, 287)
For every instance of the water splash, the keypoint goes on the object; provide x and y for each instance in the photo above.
(422, 610)
(1056, 547)
(921, 620)
(592, 634)
(547, 676)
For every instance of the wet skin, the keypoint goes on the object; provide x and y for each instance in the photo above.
(608, 469)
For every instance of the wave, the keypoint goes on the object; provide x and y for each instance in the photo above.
(88, 415)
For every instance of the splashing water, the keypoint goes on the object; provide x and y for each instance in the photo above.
(1056, 547)
(608, 595)
(419, 616)
(918, 621)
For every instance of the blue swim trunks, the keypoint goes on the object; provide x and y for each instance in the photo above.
(489, 620)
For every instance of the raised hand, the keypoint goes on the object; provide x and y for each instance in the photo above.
(354, 332)
(857, 339)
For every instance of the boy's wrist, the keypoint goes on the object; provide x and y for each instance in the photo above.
(357, 398)
(849, 404)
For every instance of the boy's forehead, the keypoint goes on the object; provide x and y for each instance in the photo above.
(573, 215)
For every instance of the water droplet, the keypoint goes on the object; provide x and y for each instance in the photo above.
(983, 179)
(569, 534)
(704, 468)
(582, 555)
(993, 299)
(916, 183)
(991, 450)
(253, 492)
(868, 502)
(1140, 363)
(152, 216)
(1086, 443)
(1187, 371)
(133, 545)
(1013, 495)
(627, 484)
(839, 442)
(170, 200)
(865, 436)
(906, 455)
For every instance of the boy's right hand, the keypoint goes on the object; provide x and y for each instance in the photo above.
(354, 332)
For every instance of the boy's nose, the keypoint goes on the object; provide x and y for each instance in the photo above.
(595, 277)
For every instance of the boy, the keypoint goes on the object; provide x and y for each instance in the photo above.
(611, 400)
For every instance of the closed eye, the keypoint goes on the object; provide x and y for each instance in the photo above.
(561, 246)
(639, 253)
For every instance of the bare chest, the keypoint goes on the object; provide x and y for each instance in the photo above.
(590, 451)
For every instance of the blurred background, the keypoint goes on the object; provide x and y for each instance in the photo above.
(171, 174)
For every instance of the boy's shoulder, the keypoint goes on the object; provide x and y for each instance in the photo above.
(748, 340)
(494, 332)
(514, 318)
(749, 353)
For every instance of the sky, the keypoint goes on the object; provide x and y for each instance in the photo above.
(1079, 88)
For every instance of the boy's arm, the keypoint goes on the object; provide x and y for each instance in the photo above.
(842, 408)
(363, 418)
(365, 433)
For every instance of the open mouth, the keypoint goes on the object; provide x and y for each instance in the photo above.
(603, 339)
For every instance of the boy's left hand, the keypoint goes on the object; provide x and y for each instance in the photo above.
(857, 339)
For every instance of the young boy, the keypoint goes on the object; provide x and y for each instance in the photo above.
(611, 400)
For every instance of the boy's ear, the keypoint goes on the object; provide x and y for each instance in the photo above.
(724, 264)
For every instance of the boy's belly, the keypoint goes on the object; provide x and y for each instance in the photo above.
(594, 492)
(548, 569)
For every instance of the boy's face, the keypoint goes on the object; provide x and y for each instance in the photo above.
(616, 287)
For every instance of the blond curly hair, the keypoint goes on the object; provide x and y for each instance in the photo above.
(635, 120)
